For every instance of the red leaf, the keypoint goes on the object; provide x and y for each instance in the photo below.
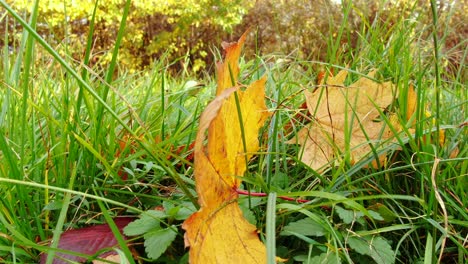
(87, 240)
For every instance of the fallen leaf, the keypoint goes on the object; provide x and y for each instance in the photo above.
(218, 232)
(109, 259)
(89, 241)
(228, 71)
(411, 103)
(344, 120)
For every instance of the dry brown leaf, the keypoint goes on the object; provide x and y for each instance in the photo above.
(111, 258)
(218, 232)
(344, 120)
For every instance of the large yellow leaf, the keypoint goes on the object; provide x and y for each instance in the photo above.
(345, 120)
(228, 71)
(218, 232)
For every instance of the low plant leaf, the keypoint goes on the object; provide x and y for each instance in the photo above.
(345, 120)
(375, 247)
(324, 258)
(246, 207)
(218, 232)
(386, 214)
(184, 211)
(306, 227)
(375, 215)
(348, 216)
(157, 241)
(148, 221)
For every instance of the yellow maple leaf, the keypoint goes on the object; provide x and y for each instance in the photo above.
(344, 120)
(228, 71)
(218, 232)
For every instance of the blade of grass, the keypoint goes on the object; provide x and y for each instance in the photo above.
(429, 252)
(25, 84)
(89, 44)
(271, 228)
(112, 65)
(89, 89)
(163, 107)
(435, 32)
(73, 192)
(116, 232)
(65, 65)
(61, 220)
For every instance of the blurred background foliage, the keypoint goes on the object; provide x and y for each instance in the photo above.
(185, 32)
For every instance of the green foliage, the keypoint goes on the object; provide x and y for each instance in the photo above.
(306, 227)
(348, 216)
(148, 221)
(374, 246)
(346, 232)
(156, 237)
(383, 211)
(157, 241)
(154, 28)
(324, 258)
(184, 32)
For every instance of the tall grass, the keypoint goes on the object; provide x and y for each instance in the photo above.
(81, 145)
(63, 130)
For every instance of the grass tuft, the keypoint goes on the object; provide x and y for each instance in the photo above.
(81, 145)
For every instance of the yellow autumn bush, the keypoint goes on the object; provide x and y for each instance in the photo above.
(153, 28)
(186, 31)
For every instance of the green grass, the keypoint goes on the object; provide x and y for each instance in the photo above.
(68, 133)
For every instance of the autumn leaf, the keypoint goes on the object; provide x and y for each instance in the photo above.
(218, 232)
(228, 71)
(88, 240)
(411, 103)
(110, 259)
(345, 120)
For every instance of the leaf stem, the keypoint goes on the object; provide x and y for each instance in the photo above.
(261, 194)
